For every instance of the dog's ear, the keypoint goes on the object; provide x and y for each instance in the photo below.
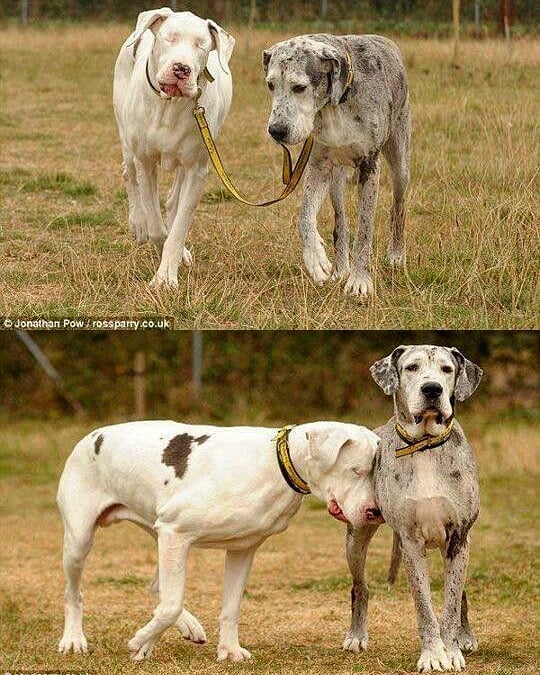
(468, 375)
(335, 65)
(266, 56)
(150, 20)
(385, 372)
(326, 443)
(223, 43)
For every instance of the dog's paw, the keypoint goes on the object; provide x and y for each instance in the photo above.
(164, 282)
(187, 258)
(434, 659)
(340, 271)
(354, 643)
(190, 628)
(467, 642)
(395, 258)
(140, 649)
(359, 284)
(457, 662)
(317, 264)
(233, 653)
(73, 642)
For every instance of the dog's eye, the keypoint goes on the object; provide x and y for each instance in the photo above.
(270, 86)
(299, 88)
(446, 369)
(412, 367)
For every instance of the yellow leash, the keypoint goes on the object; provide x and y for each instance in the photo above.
(290, 176)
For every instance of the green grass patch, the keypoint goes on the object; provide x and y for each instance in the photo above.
(83, 219)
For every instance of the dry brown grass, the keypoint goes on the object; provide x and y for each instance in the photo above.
(297, 606)
(473, 216)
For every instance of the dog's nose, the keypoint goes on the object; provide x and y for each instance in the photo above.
(181, 71)
(278, 132)
(431, 389)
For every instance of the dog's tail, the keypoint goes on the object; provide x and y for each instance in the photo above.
(394, 561)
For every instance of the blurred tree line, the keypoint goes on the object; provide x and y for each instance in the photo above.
(393, 11)
(256, 376)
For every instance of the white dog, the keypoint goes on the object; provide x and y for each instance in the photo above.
(161, 68)
(204, 486)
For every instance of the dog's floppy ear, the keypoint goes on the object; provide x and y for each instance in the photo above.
(150, 20)
(266, 56)
(334, 64)
(326, 443)
(385, 372)
(223, 43)
(468, 375)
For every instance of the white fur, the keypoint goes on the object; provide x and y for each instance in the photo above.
(158, 131)
(231, 495)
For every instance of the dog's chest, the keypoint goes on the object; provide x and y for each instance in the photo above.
(347, 140)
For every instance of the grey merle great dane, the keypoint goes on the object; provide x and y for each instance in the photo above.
(426, 487)
(351, 93)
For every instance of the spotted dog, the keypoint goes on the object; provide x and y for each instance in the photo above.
(204, 486)
(426, 486)
(351, 93)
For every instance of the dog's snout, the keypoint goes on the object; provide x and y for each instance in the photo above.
(181, 71)
(278, 132)
(431, 389)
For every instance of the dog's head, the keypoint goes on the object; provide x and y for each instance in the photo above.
(183, 42)
(302, 75)
(340, 470)
(425, 380)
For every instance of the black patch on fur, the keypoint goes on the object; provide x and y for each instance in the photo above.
(314, 70)
(366, 166)
(455, 540)
(397, 477)
(176, 453)
(353, 598)
(335, 236)
(166, 482)
(361, 49)
(379, 64)
(456, 475)
(98, 443)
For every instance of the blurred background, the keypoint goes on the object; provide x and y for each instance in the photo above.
(251, 377)
(417, 17)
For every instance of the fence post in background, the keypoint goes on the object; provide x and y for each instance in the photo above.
(506, 25)
(24, 11)
(324, 8)
(173, 5)
(456, 59)
(197, 365)
(139, 385)
(477, 18)
(251, 23)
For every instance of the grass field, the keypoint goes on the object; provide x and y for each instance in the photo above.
(472, 229)
(297, 604)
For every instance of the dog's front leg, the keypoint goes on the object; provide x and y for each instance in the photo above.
(237, 568)
(316, 186)
(173, 550)
(357, 543)
(455, 572)
(191, 192)
(433, 656)
(149, 197)
(359, 282)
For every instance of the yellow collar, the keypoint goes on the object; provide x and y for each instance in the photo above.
(426, 443)
(293, 479)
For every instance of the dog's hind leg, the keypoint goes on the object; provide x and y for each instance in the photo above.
(466, 639)
(397, 153)
(79, 516)
(341, 266)
(357, 544)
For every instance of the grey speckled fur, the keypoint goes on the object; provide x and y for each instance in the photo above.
(430, 499)
(351, 128)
